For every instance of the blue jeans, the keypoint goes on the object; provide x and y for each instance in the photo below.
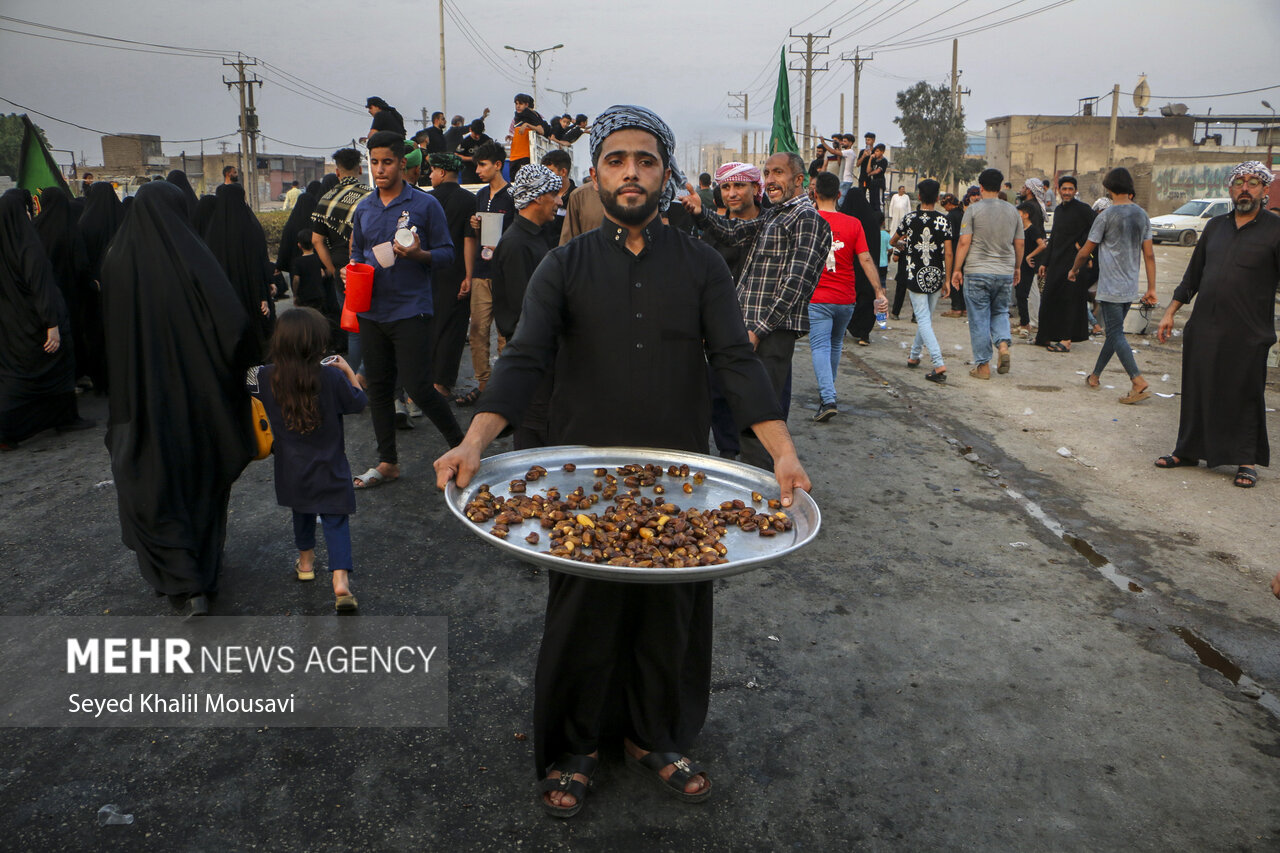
(986, 298)
(1116, 343)
(337, 537)
(826, 341)
(922, 307)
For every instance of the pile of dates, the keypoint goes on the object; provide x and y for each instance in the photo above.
(634, 530)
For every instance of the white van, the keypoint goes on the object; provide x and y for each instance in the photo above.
(1184, 225)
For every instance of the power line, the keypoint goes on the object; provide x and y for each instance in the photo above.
(110, 46)
(113, 38)
(1219, 95)
(941, 36)
(308, 147)
(106, 132)
(479, 43)
(301, 82)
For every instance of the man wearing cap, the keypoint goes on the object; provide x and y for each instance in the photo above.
(1233, 271)
(412, 164)
(451, 295)
(619, 313)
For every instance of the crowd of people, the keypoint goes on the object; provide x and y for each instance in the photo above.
(169, 308)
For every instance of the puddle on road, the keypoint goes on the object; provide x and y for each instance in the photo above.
(1220, 663)
(1206, 653)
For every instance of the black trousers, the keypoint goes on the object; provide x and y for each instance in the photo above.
(621, 659)
(448, 331)
(774, 351)
(402, 348)
(900, 288)
(864, 310)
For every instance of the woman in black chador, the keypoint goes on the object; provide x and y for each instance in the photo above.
(179, 179)
(103, 213)
(64, 245)
(236, 239)
(178, 345)
(37, 364)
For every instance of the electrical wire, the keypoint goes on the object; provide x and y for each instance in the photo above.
(38, 25)
(109, 46)
(509, 75)
(106, 132)
(1219, 95)
(479, 43)
(308, 147)
(929, 38)
(301, 82)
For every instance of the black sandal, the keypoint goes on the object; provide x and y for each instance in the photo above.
(467, 399)
(653, 762)
(566, 784)
(935, 376)
(1174, 462)
(1246, 478)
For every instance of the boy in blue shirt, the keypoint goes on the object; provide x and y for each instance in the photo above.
(395, 333)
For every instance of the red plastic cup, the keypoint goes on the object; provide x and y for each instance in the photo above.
(349, 322)
(359, 287)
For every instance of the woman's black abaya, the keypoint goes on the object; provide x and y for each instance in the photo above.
(204, 213)
(299, 219)
(864, 312)
(37, 389)
(59, 231)
(179, 435)
(236, 239)
(179, 179)
(102, 216)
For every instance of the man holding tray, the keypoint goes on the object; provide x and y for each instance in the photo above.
(627, 316)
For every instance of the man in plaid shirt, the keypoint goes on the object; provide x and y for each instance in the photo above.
(789, 244)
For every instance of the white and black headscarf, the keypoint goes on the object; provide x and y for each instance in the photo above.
(631, 117)
(532, 181)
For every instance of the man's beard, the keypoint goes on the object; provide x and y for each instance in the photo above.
(628, 215)
(1246, 205)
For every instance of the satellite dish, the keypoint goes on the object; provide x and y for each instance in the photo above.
(1142, 95)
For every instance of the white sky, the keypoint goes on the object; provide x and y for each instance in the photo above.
(678, 58)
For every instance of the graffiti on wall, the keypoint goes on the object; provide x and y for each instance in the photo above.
(1181, 182)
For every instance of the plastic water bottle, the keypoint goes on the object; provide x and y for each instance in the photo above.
(110, 815)
(882, 320)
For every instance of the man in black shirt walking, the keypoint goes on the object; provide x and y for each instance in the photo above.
(637, 287)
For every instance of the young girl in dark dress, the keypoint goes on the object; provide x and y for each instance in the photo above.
(305, 402)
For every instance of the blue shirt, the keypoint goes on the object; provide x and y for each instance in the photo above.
(404, 289)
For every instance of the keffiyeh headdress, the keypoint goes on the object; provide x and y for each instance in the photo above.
(743, 173)
(447, 162)
(532, 181)
(631, 117)
(1251, 169)
(1037, 190)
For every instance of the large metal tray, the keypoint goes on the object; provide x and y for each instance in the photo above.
(724, 481)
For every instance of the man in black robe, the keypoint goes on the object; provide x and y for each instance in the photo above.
(237, 240)
(37, 364)
(1064, 316)
(639, 653)
(178, 343)
(452, 304)
(1233, 270)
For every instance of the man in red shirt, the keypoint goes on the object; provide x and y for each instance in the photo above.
(832, 304)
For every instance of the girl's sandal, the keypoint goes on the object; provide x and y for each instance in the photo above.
(301, 575)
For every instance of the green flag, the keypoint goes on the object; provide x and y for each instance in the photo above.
(36, 168)
(783, 137)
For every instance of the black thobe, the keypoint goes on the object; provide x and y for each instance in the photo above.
(452, 315)
(102, 215)
(64, 245)
(178, 344)
(1063, 312)
(37, 389)
(1234, 272)
(237, 240)
(620, 331)
(522, 248)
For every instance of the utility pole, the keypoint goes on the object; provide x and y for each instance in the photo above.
(534, 58)
(1111, 136)
(567, 97)
(444, 109)
(809, 53)
(252, 116)
(424, 121)
(739, 110)
(857, 59)
(949, 180)
(248, 120)
(842, 112)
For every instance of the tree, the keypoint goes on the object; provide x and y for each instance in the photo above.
(933, 134)
(11, 143)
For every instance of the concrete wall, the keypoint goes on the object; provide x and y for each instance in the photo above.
(1180, 174)
(1046, 147)
(134, 154)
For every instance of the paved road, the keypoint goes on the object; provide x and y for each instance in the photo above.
(948, 672)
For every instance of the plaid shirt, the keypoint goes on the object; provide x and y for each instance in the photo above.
(789, 245)
(333, 213)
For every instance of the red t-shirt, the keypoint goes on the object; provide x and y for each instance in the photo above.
(836, 286)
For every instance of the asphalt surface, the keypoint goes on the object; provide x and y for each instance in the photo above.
(940, 670)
